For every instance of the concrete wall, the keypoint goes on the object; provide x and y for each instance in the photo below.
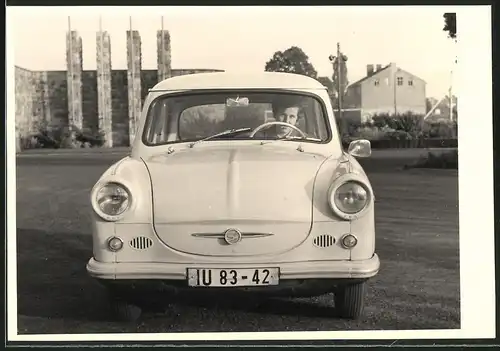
(43, 96)
(32, 98)
(24, 94)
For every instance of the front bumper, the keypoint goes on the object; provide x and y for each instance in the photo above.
(288, 270)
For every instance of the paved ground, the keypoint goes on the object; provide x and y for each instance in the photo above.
(417, 240)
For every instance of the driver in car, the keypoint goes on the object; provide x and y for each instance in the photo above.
(288, 114)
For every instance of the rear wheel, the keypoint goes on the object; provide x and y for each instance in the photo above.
(349, 300)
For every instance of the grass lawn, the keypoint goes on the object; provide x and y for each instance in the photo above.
(417, 287)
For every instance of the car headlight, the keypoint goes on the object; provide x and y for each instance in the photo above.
(349, 199)
(115, 244)
(112, 200)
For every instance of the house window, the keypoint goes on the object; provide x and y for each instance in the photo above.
(400, 80)
(410, 82)
(377, 82)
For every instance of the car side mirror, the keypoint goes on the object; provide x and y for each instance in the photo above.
(360, 148)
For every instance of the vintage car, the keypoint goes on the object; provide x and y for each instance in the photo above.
(236, 183)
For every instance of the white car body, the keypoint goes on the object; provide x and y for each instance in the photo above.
(272, 197)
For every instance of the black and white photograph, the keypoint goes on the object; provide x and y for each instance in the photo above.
(249, 173)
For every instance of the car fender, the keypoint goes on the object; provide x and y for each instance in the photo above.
(133, 174)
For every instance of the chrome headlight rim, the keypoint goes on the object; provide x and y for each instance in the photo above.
(350, 178)
(96, 207)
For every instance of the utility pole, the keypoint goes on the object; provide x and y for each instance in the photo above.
(395, 83)
(337, 62)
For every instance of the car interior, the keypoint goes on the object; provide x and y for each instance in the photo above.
(191, 117)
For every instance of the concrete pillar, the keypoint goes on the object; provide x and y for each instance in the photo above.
(44, 81)
(164, 55)
(134, 81)
(104, 106)
(74, 61)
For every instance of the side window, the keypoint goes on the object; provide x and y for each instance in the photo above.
(157, 122)
(312, 120)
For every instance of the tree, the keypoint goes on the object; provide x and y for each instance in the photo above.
(429, 103)
(450, 24)
(292, 60)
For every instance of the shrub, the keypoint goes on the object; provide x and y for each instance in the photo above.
(409, 126)
(399, 135)
(443, 160)
(371, 132)
(408, 122)
(90, 138)
(443, 129)
(48, 136)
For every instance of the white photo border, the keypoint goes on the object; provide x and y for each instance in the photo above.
(477, 268)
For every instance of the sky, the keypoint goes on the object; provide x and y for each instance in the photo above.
(245, 38)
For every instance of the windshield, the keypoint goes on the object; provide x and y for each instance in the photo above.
(189, 117)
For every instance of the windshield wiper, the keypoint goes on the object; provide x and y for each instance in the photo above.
(226, 132)
(292, 138)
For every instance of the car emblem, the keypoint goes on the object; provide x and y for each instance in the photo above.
(232, 236)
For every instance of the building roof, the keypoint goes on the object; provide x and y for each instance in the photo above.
(381, 70)
(222, 80)
(370, 75)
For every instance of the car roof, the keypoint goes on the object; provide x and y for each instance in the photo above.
(226, 80)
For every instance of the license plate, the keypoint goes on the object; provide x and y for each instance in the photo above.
(214, 277)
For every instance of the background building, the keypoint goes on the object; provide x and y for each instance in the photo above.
(388, 90)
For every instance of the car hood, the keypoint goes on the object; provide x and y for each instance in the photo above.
(263, 190)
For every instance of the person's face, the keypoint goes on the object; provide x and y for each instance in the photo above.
(287, 115)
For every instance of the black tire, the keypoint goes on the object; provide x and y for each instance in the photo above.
(349, 300)
(125, 311)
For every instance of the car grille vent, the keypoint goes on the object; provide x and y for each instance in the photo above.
(324, 240)
(141, 243)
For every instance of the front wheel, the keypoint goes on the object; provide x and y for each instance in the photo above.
(349, 300)
(125, 311)
(123, 306)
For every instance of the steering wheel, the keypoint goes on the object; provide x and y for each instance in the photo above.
(268, 124)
